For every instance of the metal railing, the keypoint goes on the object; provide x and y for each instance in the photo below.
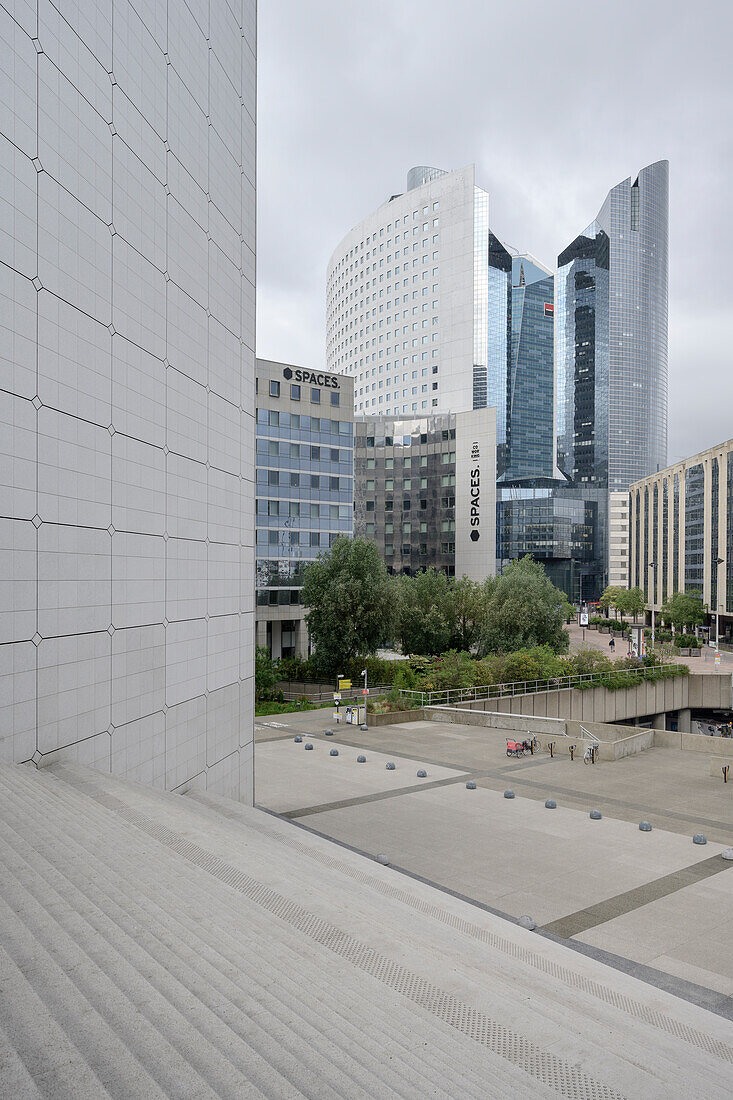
(589, 735)
(451, 696)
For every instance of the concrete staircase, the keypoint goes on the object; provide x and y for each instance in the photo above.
(158, 945)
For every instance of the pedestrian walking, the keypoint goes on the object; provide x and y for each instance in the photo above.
(612, 644)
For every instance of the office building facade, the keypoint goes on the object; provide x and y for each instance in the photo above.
(530, 419)
(412, 294)
(618, 540)
(612, 306)
(681, 532)
(127, 258)
(611, 356)
(305, 490)
(425, 491)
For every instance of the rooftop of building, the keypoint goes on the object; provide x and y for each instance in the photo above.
(685, 463)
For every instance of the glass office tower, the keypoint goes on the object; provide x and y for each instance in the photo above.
(530, 436)
(612, 298)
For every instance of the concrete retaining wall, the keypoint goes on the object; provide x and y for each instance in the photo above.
(394, 717)
(712, 690)
(520, 723)
(717, 763)
(694, 742)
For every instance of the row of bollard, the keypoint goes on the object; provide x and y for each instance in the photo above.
(550, 803)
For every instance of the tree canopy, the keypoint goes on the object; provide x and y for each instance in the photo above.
(683, 610)
(436, 614)
(349, 601)
(523, 609)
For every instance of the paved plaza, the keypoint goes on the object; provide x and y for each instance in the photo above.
(653, 898)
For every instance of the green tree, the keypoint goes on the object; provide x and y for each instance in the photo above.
(467, 612)
(266, 673)
(348, 595)
(630, 601)
(635, 601)
(682, 610)
(523, 610)
(425, 612)
(610, 596)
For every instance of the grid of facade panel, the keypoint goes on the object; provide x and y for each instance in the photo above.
(305, 490)
(681, 531)
(127, 288)
(405, 473)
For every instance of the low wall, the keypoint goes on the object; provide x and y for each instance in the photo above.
(694, 742)
(494, 719)
(703, 690)
(395, 717)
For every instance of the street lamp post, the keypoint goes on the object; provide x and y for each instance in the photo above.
(364, 673)
(651, 565)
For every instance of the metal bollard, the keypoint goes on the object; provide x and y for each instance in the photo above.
(551, 747)
(724, 770)
(572, 752)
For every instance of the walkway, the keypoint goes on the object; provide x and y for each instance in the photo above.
(653, 898)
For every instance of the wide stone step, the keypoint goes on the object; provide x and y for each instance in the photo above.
(384, 1050)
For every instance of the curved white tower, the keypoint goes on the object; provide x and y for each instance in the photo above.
(408, 299)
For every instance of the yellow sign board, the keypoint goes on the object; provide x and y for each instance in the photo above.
(344, 685)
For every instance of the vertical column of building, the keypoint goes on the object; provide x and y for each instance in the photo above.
(682, 528)
(126, 391)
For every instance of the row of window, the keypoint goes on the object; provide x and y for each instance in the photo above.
(287, 479)
(278, 597)
(281, 448)
(282, 537)
(276, 419)
(422, 548)
(298, 509)
(446, 502)
(295, 393)
(406, 527)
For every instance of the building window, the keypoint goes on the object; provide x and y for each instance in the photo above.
(274, 388)
(294, 392)
(335, 398)
(315, 397)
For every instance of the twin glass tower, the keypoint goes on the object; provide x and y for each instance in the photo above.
(575, 363)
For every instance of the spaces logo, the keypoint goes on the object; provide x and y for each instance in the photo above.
(475, 490)
(312, 378)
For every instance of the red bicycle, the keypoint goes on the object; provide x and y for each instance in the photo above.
(518, 748)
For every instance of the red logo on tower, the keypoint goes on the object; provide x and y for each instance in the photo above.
(549, 309)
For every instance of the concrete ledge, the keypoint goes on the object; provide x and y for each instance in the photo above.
(521, 723)
(694, 742)
(394, 717)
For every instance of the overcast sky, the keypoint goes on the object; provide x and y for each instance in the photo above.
(554, 103)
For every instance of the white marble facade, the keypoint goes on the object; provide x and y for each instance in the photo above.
(127, 270)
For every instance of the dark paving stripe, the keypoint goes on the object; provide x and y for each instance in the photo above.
(603, 799)
(617, 906)
(360, 800)
(527, 763)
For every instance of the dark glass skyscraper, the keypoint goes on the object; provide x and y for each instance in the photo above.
(612, 296)
(611, 331)
(530, 428)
